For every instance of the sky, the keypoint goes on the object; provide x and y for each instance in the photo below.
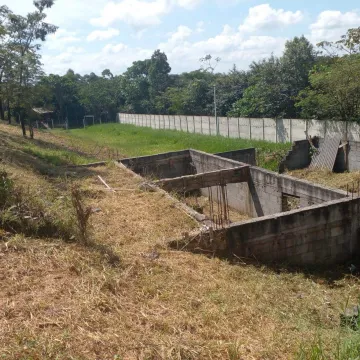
(94, 35)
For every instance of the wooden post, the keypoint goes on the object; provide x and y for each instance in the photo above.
(291, 136)
(227, 120)
(194, 124)
(52, 123)
(201, 128)
(238, 122)
(209, 125)
(250, 128)
(187, 123)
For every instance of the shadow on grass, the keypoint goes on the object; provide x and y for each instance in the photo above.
(42, 157)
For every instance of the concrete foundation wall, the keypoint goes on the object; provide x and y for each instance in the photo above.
(247, 156)
(297, 158)
(354, 156)
(168, 165)
(323, 234)
(262, 195)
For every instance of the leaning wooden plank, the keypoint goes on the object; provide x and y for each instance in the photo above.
(106, 185)
(204, 180)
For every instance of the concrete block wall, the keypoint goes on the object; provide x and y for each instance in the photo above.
(262, 195)
(323, 234)
(275, 130)
(297, 158)
(167, 165)
(319, 235)
(354, 156)
(247, 156)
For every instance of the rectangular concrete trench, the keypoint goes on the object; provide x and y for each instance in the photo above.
(322, 229)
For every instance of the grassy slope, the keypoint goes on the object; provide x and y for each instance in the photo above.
(65, 301)
(135, 141)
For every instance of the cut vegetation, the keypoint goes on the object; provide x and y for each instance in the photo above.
(123, 294)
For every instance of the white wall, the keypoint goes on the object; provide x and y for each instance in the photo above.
(279, 130)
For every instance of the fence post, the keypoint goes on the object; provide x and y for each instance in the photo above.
(346, 129)
(325, 128)
(194, 124)
(263, 121)
(227, 120)
(291, 136)
(276, 131)
(250, 128)
(238, 122)
(209, 125)
(201, 128)
(52, 123)
(187, 124)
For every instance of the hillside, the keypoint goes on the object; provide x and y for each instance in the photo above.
(122, 293)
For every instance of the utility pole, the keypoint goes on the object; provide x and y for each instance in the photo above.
(215, 110)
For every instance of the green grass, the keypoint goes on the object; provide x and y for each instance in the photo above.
(56, 157)
(136, 141)
(347, 347)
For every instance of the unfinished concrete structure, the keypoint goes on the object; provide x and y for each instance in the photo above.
(322, 227)
(299, 157)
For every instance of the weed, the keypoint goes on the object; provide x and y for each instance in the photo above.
(82, 215)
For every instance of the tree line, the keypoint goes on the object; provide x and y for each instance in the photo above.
(320, 82)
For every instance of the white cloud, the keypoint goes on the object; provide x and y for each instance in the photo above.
(264, 17)
(61, 39)
(188, 4)
(200, 27)
(230, 45)
(140, 13)
(330, 25)
(102, 34)
(114, 49)
(180, 34)
(137, 13)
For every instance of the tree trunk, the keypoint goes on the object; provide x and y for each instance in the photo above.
(31, 130)
(2, 115)
(22, 122)
(8, 111)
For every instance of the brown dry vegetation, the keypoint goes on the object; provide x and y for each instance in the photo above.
(61, 300)
(345, 181)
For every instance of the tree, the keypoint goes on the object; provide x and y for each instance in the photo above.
(348, 44)
(298, 59)
(208, 63)
(24, 34)
(158, 73)
(334, 92)
(266, 96)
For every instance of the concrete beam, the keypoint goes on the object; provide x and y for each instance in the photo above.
(204, 180)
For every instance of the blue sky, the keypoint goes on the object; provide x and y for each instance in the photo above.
(98, 34)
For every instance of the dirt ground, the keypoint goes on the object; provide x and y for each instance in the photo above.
(65, 300)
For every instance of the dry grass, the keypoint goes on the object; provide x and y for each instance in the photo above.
(67, 301)
(343, 181)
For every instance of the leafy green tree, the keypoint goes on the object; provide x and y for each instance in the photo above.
(24, 34)
(334, 92)
(158, 73)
